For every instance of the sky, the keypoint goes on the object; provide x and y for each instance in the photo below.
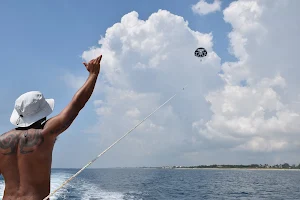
(241, 106)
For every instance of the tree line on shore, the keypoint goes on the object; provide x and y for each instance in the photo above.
(251, 166)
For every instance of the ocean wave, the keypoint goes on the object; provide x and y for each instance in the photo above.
(90, 191)
(57, 179)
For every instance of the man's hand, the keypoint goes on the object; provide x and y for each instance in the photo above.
(65, 118)
(94, 65)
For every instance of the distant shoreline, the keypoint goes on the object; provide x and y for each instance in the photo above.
(220, 168)
(198, 167)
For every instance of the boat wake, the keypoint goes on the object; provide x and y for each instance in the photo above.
(77, 190)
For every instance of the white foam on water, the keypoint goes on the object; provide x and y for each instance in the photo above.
(2, 186)
(86, 190)
(57, 179)
(93, 192)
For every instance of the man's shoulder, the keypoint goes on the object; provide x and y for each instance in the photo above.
(8, 142)
(8, 133)
(14, 135)
(24, 141)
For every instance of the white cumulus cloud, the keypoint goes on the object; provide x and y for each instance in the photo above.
(260, 115)
(204, 8)
(239, 116)
(142, 66)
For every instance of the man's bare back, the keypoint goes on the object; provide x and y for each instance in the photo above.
(26, 163)
(26, 153)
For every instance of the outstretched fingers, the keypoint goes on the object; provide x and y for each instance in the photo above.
(98, 59)
(93, 63)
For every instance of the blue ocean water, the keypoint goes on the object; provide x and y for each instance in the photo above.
(176, 184)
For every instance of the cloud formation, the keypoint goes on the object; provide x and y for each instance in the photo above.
(237, 116)
(259, 115)
(144, 63)
(204, 8)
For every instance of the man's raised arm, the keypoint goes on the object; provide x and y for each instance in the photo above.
(63, 120)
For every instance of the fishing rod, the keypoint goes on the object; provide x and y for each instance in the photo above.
(92, 161)
(200, 53)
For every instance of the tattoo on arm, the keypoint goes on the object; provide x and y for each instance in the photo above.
(8, 143)
(29, 141)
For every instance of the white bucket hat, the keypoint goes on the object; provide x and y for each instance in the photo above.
(31, 107)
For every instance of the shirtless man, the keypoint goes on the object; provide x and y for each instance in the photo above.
(26, 152)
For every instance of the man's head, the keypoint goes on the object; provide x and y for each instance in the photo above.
(30, 108)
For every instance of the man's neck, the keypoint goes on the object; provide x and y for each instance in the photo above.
(37, 125)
